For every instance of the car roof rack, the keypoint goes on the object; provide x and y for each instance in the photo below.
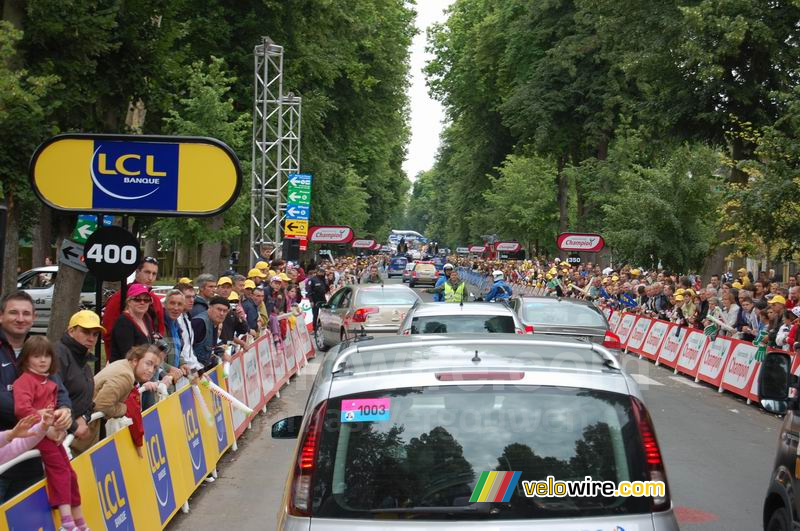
(608, 359)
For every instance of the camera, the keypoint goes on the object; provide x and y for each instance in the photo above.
(160, 343)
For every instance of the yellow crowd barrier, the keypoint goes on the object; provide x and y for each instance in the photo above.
(122, 491)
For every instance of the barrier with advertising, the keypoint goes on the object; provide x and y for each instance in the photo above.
(182, 445)
(690, 353)
(714, 361)
(625, 328)
(655, 338)
(638, 335)
(671, 347)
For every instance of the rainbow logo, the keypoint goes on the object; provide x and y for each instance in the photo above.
(495, 486)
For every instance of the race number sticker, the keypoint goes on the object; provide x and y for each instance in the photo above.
(366, 410)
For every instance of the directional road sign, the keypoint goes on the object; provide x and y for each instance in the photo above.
(86, 225)
(298, 189)
(70, 255)
(297, 211)
(294, 228)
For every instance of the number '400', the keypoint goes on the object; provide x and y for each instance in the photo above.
(112, 254)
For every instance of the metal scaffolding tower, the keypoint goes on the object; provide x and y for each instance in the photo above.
(268, 159)
(290, 115)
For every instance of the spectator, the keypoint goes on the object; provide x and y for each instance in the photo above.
(731, 311)
(782, 337)
(235, 323)
(115, 387)
(256, 276)
(206, 329)
(146, 275)
(75, 366)
(16, 319)
(34, 392)
(205, 290)
(238, 285)
(187, 356)
(24, 435)
(176, 338)
(135, 326)
(250, 305)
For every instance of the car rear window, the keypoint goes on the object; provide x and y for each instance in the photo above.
(463, 324)
(426, 268)
(399, 262)
(561, 313)
(424, 457)
(367, 297)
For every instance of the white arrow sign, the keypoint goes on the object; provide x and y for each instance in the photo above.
(293, 211)
(85, 231)
(294, 196)
(298, 181)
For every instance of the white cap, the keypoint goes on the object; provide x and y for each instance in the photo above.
(497, 274)
(448, 266)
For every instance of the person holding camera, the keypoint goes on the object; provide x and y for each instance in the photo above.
(206, 328)
(134, 326)
(235, 323)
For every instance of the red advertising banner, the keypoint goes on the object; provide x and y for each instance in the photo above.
(655, 337)
(671, 347)
(573, 242)
(691, 352)
(640, 331)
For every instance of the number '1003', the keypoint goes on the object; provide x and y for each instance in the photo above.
(112, 254)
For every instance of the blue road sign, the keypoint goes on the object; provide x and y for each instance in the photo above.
(297, 211)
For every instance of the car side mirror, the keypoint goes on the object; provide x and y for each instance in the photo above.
(287, 428)
(774, 382)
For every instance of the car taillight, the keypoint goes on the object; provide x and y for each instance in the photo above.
(300, 498)
(652, 454)
(520, 331)
(611, 340)
(529, 329)
(414, 274)
(360, 315)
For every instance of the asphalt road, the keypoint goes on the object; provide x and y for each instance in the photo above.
(718, 450)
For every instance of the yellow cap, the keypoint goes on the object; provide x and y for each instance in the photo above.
(185, 280)
(680, 291)
(256, 272)
(88, 320)
(614, 278)
(737, 285)
(249, 284)
(285, 277)
(690, 292)
(233, 296)
(224, 280)
(678, 297)
(549, 276)
(262, 265)
(777, 299)
(636, 272)
(271, 273)
(742, 270)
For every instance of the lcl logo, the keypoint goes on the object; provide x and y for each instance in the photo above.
(130, 169)
(111, 500)
(134, 170)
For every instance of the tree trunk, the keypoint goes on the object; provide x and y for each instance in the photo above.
(67, 291)
(11, 252)
(43, 236)
(210, 257)
(150, 247)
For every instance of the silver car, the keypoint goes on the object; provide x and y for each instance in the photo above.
(39, 283)
(417, 432)
(467, 318)
(366, 308)
(565, 317)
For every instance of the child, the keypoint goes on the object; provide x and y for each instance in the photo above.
(24, 436)
(33, 391)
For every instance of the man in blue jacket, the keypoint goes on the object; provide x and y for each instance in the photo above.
(500, 290)
(446, 269)
(16, 319)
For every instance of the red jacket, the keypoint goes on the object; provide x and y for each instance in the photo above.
(112, 311)
(33, 392)
(134, 403)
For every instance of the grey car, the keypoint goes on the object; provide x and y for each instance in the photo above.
(467, 318)
(367, 308)
(565, 317)
(407, 433)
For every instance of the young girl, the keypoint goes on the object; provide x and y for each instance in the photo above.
(34, 391)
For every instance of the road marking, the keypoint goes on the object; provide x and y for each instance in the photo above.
(685, 381)
(641, 379)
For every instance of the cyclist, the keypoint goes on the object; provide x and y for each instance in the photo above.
(500, 290)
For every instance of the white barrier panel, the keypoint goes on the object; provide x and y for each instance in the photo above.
(740, 369)
(626, 327)
(654, 339)
(614, 320)
(671, 347)
(236, 388)
(713, 361)
(690, 353)
(265, 368)
(640, 330)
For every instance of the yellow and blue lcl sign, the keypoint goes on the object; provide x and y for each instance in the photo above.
(178, 176)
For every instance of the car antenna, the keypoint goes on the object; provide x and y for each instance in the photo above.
(476, 358)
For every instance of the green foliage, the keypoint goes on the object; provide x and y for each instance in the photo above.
(205, 108)
(521, 202)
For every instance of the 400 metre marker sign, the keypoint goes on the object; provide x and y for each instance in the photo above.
(111, 253)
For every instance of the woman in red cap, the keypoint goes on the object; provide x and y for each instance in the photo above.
(134, 327)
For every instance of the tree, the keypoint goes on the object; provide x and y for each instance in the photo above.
(23, 123)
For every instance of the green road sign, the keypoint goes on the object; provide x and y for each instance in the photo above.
(298, 189)
(83, 229)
